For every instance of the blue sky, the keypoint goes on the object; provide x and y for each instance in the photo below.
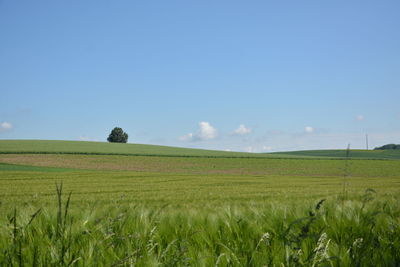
(231, 75)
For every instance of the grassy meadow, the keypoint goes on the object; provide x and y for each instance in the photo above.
(138, 205)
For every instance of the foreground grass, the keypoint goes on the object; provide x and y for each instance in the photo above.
(363, 231)
(125, 218)
(177, 211)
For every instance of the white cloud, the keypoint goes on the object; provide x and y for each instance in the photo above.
(360, 118)
(5, 126)
(309, 129)
(206, 132)
(186, 137)
(242, 130)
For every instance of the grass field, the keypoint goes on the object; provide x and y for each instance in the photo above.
(195, 208)
(341, 153)
(103, 148)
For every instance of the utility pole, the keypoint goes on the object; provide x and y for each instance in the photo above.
(366, 140)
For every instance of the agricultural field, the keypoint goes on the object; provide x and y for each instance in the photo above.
(97, 204)
(101, 148)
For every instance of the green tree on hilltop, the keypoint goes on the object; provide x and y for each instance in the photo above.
(117, 135)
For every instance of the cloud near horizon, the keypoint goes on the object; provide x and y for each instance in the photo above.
(309, 129)
(242, 130)
(206, 132)
(5, 126)
(360, 118)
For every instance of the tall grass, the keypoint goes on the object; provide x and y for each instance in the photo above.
(313, 218)
(307, 234)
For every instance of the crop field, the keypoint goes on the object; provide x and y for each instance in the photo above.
(99, 205)
(101, 148)
(71, 147)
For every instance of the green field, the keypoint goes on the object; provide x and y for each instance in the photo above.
(140, 205)
(103, 148)
(357, 154)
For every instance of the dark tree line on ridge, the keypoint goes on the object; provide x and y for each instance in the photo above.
(387, 147)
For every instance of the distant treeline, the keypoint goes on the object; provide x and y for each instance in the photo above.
(388, 146)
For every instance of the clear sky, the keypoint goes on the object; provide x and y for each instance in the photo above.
(231, 75)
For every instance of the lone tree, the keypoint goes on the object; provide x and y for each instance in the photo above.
(117, 135)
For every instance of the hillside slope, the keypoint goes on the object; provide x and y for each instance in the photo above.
(103, 148)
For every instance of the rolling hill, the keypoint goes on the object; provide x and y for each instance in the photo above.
(103, 148)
